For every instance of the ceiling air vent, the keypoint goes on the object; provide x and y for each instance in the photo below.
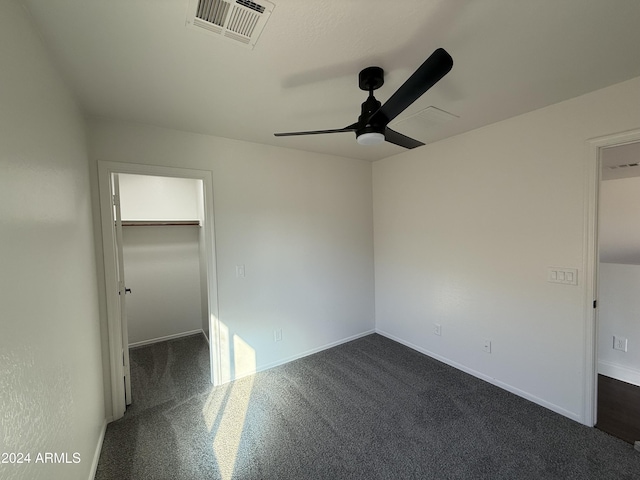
(624, 165)
(238, 20)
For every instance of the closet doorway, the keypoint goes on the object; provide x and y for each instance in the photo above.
(618, 392)
(158, 241)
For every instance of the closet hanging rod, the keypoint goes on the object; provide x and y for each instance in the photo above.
(161, 223)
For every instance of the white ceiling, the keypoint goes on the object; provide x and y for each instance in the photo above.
(136, 60)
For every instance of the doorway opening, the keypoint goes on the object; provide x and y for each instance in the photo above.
(158, 222)
(618, 367)
(609, 271)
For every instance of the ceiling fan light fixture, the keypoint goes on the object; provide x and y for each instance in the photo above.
(370, 138)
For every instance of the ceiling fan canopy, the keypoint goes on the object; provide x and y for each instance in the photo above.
(372, 125)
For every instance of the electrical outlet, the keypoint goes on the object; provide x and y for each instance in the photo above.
(487, 346)
(437, 329)
(620, 343)
(277, 335)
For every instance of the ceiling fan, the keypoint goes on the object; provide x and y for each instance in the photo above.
(372, 125)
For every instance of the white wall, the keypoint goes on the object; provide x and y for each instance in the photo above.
(162, 268)
(619, 221)
(51, 390)
(465, 230)
(619, 314)
(146, 197)
(301, 223)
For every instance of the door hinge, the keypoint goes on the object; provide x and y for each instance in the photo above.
(124, 363)
(116, 200)
(595, 302)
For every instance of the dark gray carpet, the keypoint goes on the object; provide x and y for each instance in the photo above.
(368, 409)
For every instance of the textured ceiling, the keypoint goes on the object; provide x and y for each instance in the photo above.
(136, 60)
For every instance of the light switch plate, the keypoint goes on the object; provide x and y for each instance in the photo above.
(566, 276)
(277, 335)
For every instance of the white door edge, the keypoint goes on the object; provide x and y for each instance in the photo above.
(122, 286)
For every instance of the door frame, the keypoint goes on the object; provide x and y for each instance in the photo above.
(592, 185)
(122, 283)
(105, 170)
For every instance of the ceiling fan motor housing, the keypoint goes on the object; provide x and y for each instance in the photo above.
(369, 107)
(370, 79)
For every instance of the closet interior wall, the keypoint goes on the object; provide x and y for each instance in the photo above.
(163, 257)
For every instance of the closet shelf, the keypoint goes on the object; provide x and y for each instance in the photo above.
(160, 223)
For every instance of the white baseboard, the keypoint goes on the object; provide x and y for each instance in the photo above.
(619, 372)
(96, 455)
(168, 337)
(521, 393)
(306, 353)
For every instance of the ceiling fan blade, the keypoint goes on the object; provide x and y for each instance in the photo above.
(426, 76)
(350, 128)
(396, 138)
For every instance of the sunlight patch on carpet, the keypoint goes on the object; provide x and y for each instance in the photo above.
(226, 407)
(229, 432)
